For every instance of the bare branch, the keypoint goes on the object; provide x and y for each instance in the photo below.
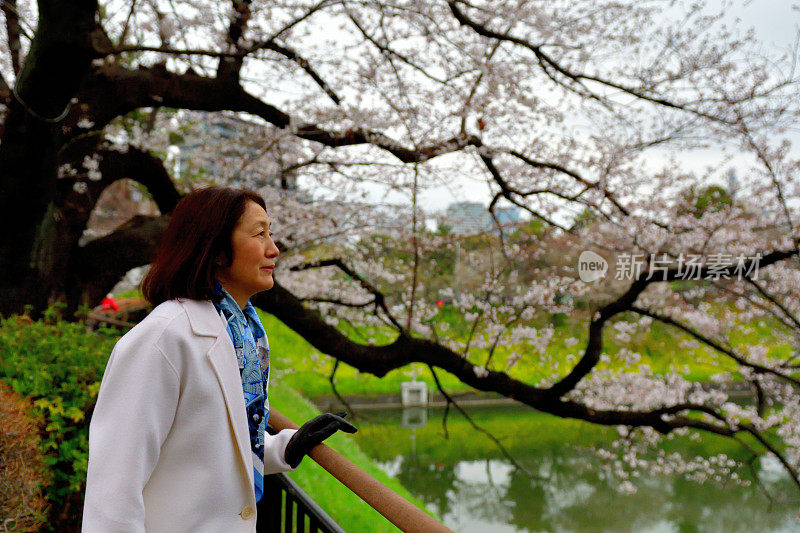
(173, 51)
(332, 381)
(765, 160)
(472, 331)
(380, 300)
(229, 68)
(13, 31)
(574, 175)
(304, 64)
(509, 196)
(551, 68)
(127, 25)
(773, 300)
(495, 440)
(386, 49)
(294, 22)
(759, 436)
(625, 302)
(714, 344)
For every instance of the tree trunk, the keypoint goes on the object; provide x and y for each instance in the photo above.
(59, 58)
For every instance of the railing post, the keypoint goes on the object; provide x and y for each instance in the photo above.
(288, 513)
(388, 503)
(281, 495)
(270, 506)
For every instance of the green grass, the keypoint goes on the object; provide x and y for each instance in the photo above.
(347, 509)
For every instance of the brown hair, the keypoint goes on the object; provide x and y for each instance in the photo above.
(196, 244)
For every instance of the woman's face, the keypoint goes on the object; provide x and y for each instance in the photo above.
(254, 255)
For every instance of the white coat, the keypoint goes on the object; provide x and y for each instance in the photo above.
(169, 445)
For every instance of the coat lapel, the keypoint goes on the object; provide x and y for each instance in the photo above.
(205, 321)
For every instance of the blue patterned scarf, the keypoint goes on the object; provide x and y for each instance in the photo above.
(252, 351)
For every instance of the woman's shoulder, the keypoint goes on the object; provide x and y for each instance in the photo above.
(173, 330)
(167, 318)
(167, 309)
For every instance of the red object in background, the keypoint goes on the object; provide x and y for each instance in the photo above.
(439, 303)
(108, 304)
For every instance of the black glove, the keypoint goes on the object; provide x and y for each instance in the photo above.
(312, 433)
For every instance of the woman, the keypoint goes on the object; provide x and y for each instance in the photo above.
(177, 440)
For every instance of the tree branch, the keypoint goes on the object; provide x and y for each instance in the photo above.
(332, 381)
(13, 31)
(475, 426)
(550, 67)
(114, 163)
(761, 369)
(752, 301)
(625, 302)
(773, 300)
(229, 67)
(98, 266)
(574, 175)
(339, 302)
(386, 49)
(380, 300)
(379, 360)
(112, 91)
(304, 64)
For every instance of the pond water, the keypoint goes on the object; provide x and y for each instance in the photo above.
(473, 487)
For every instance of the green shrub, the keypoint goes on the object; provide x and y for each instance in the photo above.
(58, 365)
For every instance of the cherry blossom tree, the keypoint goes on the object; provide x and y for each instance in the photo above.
(560, 108)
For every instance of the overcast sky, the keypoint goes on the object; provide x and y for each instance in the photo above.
(776, 24)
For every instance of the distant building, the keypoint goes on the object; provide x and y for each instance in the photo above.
(733, 182)
(507, 215)
(465, 218)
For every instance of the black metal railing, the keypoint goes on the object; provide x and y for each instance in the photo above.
(286, 508)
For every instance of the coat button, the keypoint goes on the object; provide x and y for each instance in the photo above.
(247, 512)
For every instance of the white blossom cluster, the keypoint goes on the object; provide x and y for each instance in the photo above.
(641, 451)
(640, 391)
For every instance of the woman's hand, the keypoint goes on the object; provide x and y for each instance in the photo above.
(312, 433)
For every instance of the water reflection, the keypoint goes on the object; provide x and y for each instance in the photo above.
(567, 491)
